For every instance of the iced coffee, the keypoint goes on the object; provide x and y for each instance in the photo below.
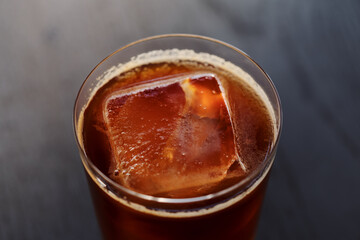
(177, 144)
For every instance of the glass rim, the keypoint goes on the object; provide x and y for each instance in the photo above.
(244, 184)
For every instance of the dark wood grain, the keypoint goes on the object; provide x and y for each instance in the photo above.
(311, 49)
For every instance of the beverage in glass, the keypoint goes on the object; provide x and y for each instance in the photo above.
(177, 135)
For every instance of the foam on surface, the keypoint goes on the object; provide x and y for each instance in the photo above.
(176, 56)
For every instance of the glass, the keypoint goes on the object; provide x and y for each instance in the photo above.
(227, 214)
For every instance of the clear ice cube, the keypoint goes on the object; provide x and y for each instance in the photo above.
(170, 137)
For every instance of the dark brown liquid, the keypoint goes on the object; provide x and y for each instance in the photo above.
(118, 221)
(201, 137)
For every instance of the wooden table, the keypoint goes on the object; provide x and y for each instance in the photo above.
(311, 49)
